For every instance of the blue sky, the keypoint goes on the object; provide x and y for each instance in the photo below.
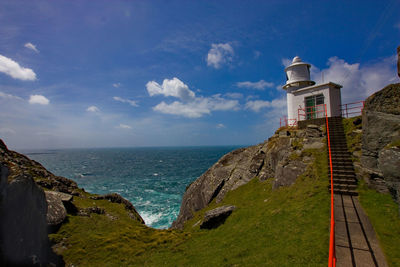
(178, 73)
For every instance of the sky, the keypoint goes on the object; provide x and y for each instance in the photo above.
(83, 74)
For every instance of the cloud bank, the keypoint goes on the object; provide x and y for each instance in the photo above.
(358, 80)
(190, 106)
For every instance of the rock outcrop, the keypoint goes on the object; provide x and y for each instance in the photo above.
(115, 198)
(23, 225)
(278, 158)
(381, 140)
(216, 217)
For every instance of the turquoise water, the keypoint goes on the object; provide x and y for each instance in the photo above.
(152, 179)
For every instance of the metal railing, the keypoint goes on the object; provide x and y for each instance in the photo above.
(313, 112)
(284, 121)
(352, 109)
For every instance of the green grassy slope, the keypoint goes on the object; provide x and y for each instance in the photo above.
(288, 226)
(285, 227)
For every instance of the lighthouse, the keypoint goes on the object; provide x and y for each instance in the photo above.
(307, 100)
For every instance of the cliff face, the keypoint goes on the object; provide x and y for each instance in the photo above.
(23, 225)
(381, 139)
(283, 158)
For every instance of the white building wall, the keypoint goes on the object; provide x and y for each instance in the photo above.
(296, 100)
(336, 101)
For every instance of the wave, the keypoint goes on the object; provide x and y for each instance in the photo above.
(151, 218)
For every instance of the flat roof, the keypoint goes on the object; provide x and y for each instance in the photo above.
(338, 86)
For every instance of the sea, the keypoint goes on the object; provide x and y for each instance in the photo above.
(153, 179)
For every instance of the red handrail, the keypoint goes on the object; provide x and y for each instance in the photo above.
(332, 252)
(309, 110)
(358, 106)
(284, 121)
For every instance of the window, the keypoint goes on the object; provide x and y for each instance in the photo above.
(314, 106)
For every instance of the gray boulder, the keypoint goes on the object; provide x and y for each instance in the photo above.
(287, 173)
(56, 211)
(216, 217)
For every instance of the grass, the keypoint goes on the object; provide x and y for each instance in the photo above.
(284, 227)
(381, 209)
(384, 215)
(353, 137)
(111, 239)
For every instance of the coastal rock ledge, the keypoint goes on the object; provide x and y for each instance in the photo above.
(281, 158)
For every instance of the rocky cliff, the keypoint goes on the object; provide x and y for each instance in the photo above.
(282, 158)
(380, 160)
(35, 202)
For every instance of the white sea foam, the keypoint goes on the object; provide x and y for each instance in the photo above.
(150, 218)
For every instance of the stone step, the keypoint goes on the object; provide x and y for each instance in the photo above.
(343, 176)
(338, 144)
(342, 167)
(342, 159)
(349, 187)
(341, 171)
(345, 192)
(345, 162)
(338, 153)
(343, 182)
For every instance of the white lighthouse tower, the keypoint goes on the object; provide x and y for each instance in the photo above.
(305, 100)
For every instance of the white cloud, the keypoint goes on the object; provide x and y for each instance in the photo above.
(190, 106)
(173, 87)
(116, 85)
(220, 54)
(257, 54)
(197, 108)
(234, 95)
(220, 126)
(13, 69)
(124, 126)
(9, 96)
(358, 81)
(38, 99)
(257, 105)
(93, 109)
(260, 85)
(124, 100)
(32, 47)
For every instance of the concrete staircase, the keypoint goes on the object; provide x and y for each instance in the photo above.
(344, 177)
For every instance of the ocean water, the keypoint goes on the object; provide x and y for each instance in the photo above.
(152, 179)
